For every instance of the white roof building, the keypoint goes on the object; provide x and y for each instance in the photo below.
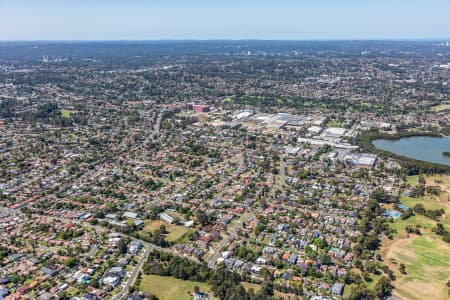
(315, 129)
(335, 132)
(166, 217)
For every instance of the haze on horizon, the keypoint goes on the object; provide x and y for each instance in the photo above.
(232, 19)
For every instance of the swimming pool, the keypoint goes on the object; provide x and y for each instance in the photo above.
(393, 214)
(403, 207)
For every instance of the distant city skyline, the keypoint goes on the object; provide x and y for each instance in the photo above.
(232, 19)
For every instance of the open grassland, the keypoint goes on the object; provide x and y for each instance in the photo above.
(66, 113)
(443, 181)
(369, 284)
(169, 288)
(439, 108)
(429, 203)
(174, 232)
(427, 261)
(426, 256)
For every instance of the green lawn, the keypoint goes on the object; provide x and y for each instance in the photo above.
(72, 291)
(335, 124)
(430, 180)
(412, 180)
(426, 257)
(430, 254)
(348, 289)
(177, 233)
(425, 222)
(427, 261)
(174, 232)
(66, 113)
(430, 203)
(370, 285)
(439, 108)
(375, 279)
(169, 288)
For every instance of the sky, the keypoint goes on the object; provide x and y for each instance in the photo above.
(225, 19)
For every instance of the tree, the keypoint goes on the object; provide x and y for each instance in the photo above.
(267, 289)
(418, 208)
(70, 262)
(361, 292)
(402, 268)
(122, 246)
(310, 251)
(358, 263)
(325, 260)
(440, 229)
(196, 290)
(383, 287)
(202, 218)
(446, 238)
(380, 195)
(352, 277)
(421, 180)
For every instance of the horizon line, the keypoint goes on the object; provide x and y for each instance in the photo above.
(418, 39)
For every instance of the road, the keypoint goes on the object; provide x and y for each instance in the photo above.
(283, 170)
(158, 124)
(212, 260)
(148, 248)
(93, 250)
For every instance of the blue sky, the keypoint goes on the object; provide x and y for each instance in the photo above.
(230, 19)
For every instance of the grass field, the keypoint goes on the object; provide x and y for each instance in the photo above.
(426, 256)
(371, 284)
(412, 180)
(427, 261)
(175, 232)
(442, 180)
(439, 108)
(428, 203)
(66, 113)
(169, 288)
(335, 124)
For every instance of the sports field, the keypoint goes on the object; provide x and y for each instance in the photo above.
(426, 256)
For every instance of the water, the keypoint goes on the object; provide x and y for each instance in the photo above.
(424, 148)
(393, 214)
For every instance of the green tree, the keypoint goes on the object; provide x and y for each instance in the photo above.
(122, 246)
(383, 287)
(202, 218)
